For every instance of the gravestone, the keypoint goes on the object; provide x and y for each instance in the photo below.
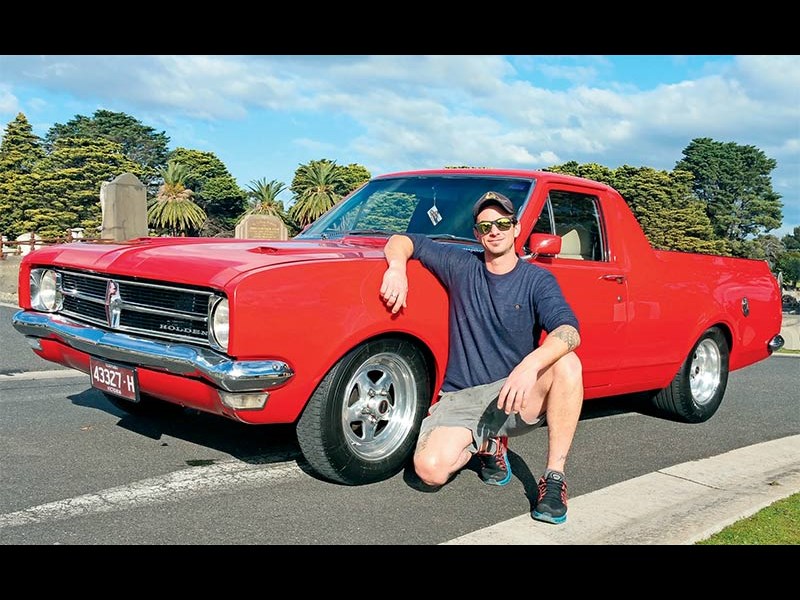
(123, 203)
(262, 227)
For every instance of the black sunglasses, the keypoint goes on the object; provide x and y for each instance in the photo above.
(503, 224)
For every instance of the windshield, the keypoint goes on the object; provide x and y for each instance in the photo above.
(435, 205)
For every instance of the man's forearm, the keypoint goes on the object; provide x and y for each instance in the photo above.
(398, 250)
(562, 340)
(567, 334)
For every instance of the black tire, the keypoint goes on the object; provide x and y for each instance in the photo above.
(362, 422)
(147, 405)
(694, 395)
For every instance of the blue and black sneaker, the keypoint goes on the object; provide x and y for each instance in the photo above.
(551, 501)
(494, 466)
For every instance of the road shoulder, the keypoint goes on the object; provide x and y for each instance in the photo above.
(679, 505)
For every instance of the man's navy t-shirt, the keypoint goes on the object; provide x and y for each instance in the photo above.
(495, 320)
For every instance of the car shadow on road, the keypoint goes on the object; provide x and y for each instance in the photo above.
(257, 444)
(638, 403)
(265, 444)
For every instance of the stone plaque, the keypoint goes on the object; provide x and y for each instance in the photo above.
(262, 227)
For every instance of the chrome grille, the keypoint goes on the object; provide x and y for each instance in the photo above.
(154, 309)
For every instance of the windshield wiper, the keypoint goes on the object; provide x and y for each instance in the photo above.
(367, 232)
(450, 237)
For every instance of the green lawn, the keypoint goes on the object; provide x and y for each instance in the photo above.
(777, 524)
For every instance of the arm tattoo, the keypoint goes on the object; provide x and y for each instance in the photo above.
(567, 334)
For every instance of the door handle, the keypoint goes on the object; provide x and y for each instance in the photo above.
(618, 278)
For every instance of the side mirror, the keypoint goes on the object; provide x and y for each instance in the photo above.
(544, 244)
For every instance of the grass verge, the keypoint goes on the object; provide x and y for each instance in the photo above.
(774, 525)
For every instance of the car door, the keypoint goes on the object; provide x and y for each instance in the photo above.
(593, 283)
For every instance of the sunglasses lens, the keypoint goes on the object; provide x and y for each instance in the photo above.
(503, 224)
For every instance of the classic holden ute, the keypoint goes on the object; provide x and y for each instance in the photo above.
(294, 331)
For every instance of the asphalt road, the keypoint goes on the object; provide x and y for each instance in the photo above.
(76, 470)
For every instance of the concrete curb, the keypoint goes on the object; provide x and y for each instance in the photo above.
(790, 330)
(678, 505)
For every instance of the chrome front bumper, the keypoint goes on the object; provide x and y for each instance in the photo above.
(177, 359)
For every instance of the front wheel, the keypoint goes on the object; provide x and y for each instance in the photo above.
(694, 395)
(362, 422)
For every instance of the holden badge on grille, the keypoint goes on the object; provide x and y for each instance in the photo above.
(113, 304)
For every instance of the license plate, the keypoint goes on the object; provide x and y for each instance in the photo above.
(114, 379)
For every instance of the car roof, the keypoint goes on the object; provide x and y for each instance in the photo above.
(539, 175)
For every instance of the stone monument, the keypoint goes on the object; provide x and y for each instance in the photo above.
(262, 227)
(123, 203)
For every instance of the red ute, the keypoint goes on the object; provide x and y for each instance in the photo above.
(295, 332)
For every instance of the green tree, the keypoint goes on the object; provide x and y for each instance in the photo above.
(734, 184)
(789, 265)
(315, 188)
(173, 209)
(63, 188)
(225, 202)
(44, 204)
(592, 171)
(791, 241)
(140, 143)
(20, 149)
(215, 190)
(768, 247)
(353, 176)
(663, 203)
(263, 197)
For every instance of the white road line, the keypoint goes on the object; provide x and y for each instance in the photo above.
(173, 487)
(34, 375)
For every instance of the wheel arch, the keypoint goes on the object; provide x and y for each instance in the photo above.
(434, 372)
(361, 422)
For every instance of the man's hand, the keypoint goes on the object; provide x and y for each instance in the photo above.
(394, 290)
(518, 388)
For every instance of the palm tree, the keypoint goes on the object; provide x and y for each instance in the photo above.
(263, 197)
(173, 208)
(317, 181)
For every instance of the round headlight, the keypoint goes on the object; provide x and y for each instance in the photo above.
(219, 324)
(46, 291)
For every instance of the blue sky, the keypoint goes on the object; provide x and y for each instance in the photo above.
(263, 116)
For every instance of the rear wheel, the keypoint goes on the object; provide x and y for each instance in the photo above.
(362, 422)
(694, 395)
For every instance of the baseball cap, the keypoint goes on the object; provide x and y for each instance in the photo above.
(493, 198)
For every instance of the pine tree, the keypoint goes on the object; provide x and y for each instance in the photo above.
(20, 149)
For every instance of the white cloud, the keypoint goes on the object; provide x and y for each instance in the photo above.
(431, 111)
(9, 105)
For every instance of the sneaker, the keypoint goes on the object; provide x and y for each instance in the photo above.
(551, 501)
(494, 466)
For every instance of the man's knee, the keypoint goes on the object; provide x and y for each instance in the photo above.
(429, 469)
(568, 369)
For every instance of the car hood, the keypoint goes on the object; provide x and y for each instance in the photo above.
(201, 261)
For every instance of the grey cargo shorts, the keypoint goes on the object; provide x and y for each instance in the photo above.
(476, 409)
